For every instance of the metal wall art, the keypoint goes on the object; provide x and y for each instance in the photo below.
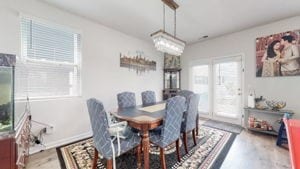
(137, 62)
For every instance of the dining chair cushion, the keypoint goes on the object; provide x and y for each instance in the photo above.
(170, 131)
(99, 125)
(189, 122)
(148, 97)
(126, 100)
(186, 94)
(132, 140)
(101, 136)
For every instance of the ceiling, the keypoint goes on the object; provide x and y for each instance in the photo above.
(195, 18)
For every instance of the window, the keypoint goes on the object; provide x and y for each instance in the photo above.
(50, 62)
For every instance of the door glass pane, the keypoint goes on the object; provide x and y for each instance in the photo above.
(227, 89)
(200, 86)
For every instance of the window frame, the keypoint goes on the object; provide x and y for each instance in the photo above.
(24, 59)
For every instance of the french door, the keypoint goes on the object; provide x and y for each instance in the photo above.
(219, 83)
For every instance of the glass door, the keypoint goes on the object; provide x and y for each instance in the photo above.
(219, 83)
(200, 85)
(227, 90)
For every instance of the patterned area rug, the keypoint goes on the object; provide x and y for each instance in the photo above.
(210, 151)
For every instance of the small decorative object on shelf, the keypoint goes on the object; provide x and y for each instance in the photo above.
(251, 99)
(264, 121)
(276, 105)
(260, 103)
(259, 124)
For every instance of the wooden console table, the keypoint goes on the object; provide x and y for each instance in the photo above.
(271, 116)
(14, 147)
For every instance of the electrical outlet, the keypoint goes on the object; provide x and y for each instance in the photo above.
(49, 129)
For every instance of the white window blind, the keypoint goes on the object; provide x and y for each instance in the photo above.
(50, 62)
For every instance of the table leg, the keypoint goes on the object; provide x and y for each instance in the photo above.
(146, 147)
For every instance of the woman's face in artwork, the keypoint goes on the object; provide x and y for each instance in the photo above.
(277, 46)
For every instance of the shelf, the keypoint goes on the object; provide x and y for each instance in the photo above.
(272, 132)
(269, 111)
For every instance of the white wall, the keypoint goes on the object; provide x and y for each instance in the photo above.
(102, 76)
(280, 88)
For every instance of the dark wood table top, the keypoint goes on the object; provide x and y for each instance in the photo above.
(136, 115)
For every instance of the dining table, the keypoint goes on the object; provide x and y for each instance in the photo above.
(143, 118)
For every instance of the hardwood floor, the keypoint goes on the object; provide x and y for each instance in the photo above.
(249, 150)
(255, 150)
(44, 160)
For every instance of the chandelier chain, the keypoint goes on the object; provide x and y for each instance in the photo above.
(167, 42)
(174, 22)
(164, 18)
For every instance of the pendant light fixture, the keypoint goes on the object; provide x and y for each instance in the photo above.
(164, 41)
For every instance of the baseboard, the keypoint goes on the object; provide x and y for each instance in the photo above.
(58, 143)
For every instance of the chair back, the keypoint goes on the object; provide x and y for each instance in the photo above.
(189, 122)
(126, 99)
(148, 97)
(99, 125)
(186, 94)
(172, 121)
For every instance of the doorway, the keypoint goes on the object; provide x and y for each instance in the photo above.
(219, 83)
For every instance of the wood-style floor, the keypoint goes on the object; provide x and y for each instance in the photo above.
(249, 151)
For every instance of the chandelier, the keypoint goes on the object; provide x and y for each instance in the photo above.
(164, 41)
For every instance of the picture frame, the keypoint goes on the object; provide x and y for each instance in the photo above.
(171, 61)
(277, 55)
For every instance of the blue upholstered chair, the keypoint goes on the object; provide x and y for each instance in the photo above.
(126, 100)
(170, 130)
(189, 124)
(103, 141)
(187, 94)
(148, 97)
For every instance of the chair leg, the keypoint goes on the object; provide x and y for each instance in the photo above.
(185, 142)
(197, 125)
(109, 164)
(194, 136)
(162, 158)
(178, 150)
(95, 159)
(138, 151)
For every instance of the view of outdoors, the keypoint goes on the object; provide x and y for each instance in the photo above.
(226, 89)
(224, 79)
(200, 86)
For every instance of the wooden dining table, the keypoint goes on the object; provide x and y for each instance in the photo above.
(143, 118)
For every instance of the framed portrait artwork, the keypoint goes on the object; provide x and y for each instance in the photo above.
(171, 62)
(278, 55)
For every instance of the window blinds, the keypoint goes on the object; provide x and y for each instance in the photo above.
(50, 62)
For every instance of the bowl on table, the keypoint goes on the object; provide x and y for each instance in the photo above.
(276, 105)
